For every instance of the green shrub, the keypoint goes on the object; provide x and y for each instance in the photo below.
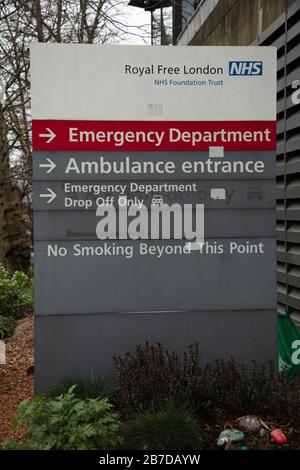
(66, 423)
(7, 326)
(16, 293)
(168, 428)
(93, 386)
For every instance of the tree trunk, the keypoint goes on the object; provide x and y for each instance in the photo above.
(15, 243)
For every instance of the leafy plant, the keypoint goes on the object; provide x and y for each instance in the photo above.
(16, 292)
(257, 388)
(151, 376)
(7, 325)
(93, 386)
(66, 423)
(169, 428)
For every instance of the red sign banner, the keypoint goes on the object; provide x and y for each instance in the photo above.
(152, 135)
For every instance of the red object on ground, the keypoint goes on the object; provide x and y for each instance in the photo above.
(278, 437)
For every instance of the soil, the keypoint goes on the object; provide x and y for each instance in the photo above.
(16, 376)
(16, 385)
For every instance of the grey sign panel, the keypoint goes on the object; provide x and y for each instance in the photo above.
(54, 165)
(96, 299)
(244, 334)
(90, 352)
(149, 275)
(75, 225)
(82, 196)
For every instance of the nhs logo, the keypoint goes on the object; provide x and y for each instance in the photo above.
(245, 67)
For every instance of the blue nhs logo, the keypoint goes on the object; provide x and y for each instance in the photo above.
(245, 67)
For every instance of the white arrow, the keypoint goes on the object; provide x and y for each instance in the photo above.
(49, 165)
(50, 134)
(51, 195)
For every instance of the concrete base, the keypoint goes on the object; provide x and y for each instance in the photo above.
(68, 345)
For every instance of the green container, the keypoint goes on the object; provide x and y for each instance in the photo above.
(288, 345)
